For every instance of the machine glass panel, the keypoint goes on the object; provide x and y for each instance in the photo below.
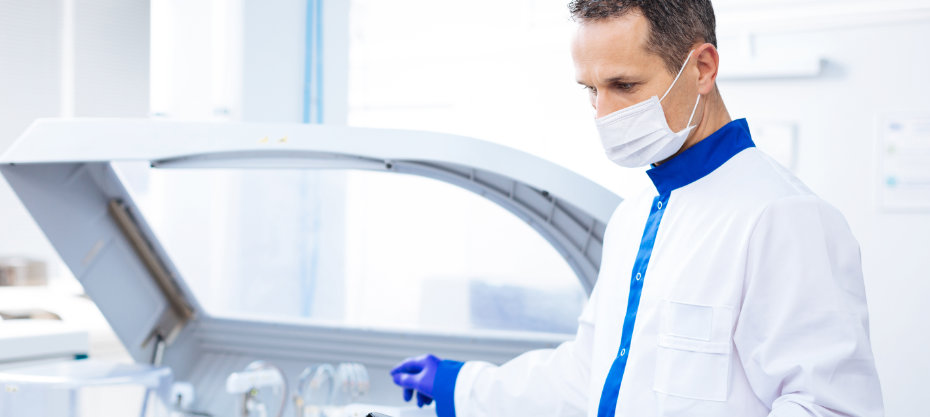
(354, 248)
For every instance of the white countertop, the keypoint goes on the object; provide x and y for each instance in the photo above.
(81, 325)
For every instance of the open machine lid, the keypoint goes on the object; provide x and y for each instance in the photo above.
(64, 173)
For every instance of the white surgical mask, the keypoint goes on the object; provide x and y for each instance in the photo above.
(639, 135)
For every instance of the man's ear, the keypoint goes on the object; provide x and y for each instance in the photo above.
(708, 61)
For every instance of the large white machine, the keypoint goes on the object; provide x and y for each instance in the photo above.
(63, 172)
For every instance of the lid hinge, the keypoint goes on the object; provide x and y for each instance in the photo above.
(167, 327)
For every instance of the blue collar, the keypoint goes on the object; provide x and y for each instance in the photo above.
(702, 158)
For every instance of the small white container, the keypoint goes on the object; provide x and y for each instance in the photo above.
(85, 388)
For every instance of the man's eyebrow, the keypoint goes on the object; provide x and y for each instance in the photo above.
(617, 79)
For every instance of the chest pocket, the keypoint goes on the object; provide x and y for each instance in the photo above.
(693, 353)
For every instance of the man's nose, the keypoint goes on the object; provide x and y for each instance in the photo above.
(603, 105)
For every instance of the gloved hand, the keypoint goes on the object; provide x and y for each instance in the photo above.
(417, 374)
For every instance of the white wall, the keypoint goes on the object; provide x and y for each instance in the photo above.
(62, 58)
(243, 59)
(30, 87)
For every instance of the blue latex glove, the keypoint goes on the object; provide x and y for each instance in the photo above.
(417, 374)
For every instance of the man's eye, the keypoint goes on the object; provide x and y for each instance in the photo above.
(590, 90)
(625, 86)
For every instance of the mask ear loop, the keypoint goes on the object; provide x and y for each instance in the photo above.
(676, 76)
(693, 111)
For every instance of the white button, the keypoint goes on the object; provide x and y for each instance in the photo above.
(660, 205)
(639, 276)
(622, 352)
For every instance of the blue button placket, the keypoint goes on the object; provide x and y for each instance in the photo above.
(611, 391)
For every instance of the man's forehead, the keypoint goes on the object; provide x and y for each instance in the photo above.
(627, 33)
(612, 48)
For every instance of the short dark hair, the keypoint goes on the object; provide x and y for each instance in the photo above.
(675, 24)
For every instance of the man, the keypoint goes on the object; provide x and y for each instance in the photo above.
(728, 290)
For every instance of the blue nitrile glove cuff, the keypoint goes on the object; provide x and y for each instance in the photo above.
(444, 387)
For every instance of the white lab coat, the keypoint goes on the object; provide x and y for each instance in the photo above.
(753, 305)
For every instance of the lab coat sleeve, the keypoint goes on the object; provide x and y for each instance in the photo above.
(541, 382)
(803, 333)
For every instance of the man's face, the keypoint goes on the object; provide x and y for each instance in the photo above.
(612, 62)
